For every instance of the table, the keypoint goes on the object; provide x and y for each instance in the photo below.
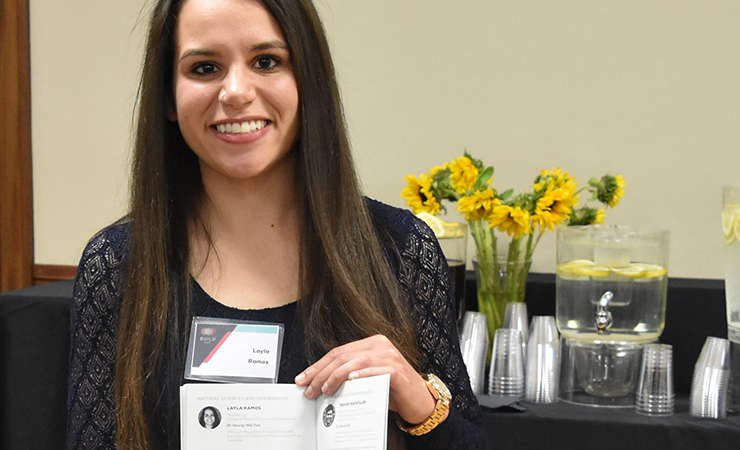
(566, 426)
(34, 352)
(34, 333)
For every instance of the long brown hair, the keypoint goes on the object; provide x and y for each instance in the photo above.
(348, 289)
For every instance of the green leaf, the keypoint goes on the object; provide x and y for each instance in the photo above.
(481, 183)
(505, 196)
(476, 162)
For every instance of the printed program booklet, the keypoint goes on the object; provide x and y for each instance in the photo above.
(279, 416)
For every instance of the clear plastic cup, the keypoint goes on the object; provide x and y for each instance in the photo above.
(655, 395)
(506, 376)
(474, 348)
(542, 369)
(515, 317)
(711, 378)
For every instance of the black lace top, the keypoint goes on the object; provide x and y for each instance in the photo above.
(422, 274)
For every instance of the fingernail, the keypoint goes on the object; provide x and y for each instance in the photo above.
(354, 375)
(325, 388)
(309, 392)
(300, 378)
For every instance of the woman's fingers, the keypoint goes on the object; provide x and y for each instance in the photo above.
(306, 377)
(330, 381)
(316, 375)
(369, 372)
(375, 355)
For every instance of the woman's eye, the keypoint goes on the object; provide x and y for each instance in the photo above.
(267, 62)
(205, 68)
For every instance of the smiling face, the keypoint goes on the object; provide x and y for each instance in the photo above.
(209, 417)
(236, 98)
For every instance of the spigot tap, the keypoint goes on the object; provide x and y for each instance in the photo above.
(603, 315)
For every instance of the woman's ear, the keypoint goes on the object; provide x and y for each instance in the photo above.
(171, 111)
(171, 108)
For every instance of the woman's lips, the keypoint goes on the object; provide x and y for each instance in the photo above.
(248, 131)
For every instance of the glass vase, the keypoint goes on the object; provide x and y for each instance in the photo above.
(500, 280)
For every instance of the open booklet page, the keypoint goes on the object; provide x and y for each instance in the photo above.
(355, 417)
(238, 416)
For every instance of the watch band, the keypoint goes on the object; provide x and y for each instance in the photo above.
(441, 410)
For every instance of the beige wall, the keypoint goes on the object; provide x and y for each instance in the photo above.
(85, 62)
(650, 90)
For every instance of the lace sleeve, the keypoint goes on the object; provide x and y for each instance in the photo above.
(424, 277)
(91, 407)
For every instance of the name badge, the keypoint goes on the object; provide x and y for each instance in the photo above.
(234, 351)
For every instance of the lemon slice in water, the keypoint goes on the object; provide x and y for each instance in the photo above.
(573, 270)
(453, 230)
(729, 222)
(577, 263)
(640, 270)
(433, 221)
(442, 229)
(632, 271)
(729, 238)
(653, 271)
(592, 271)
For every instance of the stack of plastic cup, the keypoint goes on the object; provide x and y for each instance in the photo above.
(542, 370)
(506, 376)
(711, 377)
(733, 392)
(474, 347)
(515, 317)
(655, 396)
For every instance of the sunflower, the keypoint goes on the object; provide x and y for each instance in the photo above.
(618, 191)
(599, 217)
(478, 205)
(512, 220)
(556, 178)
(463, 174)
(433, 171)
(586, 216)
(419, 196)
(609, 189)
(555, 206)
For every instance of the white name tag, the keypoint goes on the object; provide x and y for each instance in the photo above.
(234, 351)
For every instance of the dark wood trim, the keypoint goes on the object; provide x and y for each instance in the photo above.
(16, 208)
(45, 273)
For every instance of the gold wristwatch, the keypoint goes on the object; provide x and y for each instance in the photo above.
(443, 397)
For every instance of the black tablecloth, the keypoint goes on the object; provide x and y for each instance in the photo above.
(34, 350)
(566, 426)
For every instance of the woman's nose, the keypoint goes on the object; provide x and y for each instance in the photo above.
(238, 89)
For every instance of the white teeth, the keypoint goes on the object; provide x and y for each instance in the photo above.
(244, 127)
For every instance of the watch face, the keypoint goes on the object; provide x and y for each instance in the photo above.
(439, 385)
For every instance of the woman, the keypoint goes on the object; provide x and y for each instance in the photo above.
(243, 190)
(209, 418)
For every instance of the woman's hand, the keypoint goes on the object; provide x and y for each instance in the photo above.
(375, 355)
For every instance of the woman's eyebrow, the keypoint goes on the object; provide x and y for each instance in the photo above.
(197, 52)
(270, 44)
(258, 47)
